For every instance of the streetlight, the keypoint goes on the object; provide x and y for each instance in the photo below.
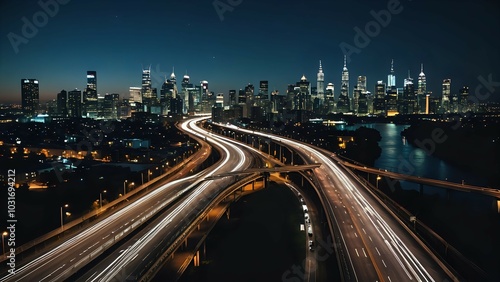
(62, 218)
(5, 233)
(100, 197)
(124, 191)
(378, 178)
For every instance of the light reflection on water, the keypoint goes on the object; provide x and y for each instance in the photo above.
(400, 156)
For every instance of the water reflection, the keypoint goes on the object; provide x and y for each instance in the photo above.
(400, 156)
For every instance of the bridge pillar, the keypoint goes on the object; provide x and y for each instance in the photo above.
(253, 185)
(498, 206)
(448, 194)
(185, 243)
(421, 189)
(228, 211)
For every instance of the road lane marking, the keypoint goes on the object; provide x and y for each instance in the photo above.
(384, 263)
(355, 234)
(370, 238)
(357, 252)
(377, 251)
(52, 273)
(364, 252)
(363, 230)
(389, 279)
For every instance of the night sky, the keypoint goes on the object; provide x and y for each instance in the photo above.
(273, 40)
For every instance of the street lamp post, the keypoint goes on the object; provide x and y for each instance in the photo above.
(62, 218)
(124, 191)
(378, 178)
(100, 198)
(5, 233)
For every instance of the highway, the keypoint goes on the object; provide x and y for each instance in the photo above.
(378, 246)
(428, 181)
(62, 260)
(128, 262)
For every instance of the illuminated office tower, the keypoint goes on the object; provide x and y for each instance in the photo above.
(30, 95)
(232, 97)
(148, 96)
(391, 78)
(360, 90)
(330, 98)
(185, 86)
(168, 92)
(343, 104)
(242, 99)
(379, 101)
(445, 98)
(303, 97)
(407, 103)
(320, 86)
(110, 106)
(464, 99)
(74, 103)
(205, 104)
(90, 96)
(421, 90)
(264, 90)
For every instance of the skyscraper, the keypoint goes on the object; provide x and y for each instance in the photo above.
(185, 85)
(330, 98)
(90, 95)
(464, 99)
(303, 98)
(343, 105)
(391, 78)
(75, 103)
(110, 106)
(62, 98)
(407, 103)
(320, 86)
(445, 98)
(379, 101)
(232, 97)
(264, 90)
(148, 96)
(421, 90)
(359, 91)
(168, 92)
(30, 95)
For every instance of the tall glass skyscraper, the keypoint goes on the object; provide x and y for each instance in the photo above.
(90, 95)
(391, 78)
(343, 105)
(148, 96)
(445, 98)
(30, 95)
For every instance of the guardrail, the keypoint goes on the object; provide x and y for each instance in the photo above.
(151, 272)
(76, 222)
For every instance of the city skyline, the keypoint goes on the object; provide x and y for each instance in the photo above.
(222, 48)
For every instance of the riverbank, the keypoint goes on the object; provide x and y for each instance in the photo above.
(472, 146)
